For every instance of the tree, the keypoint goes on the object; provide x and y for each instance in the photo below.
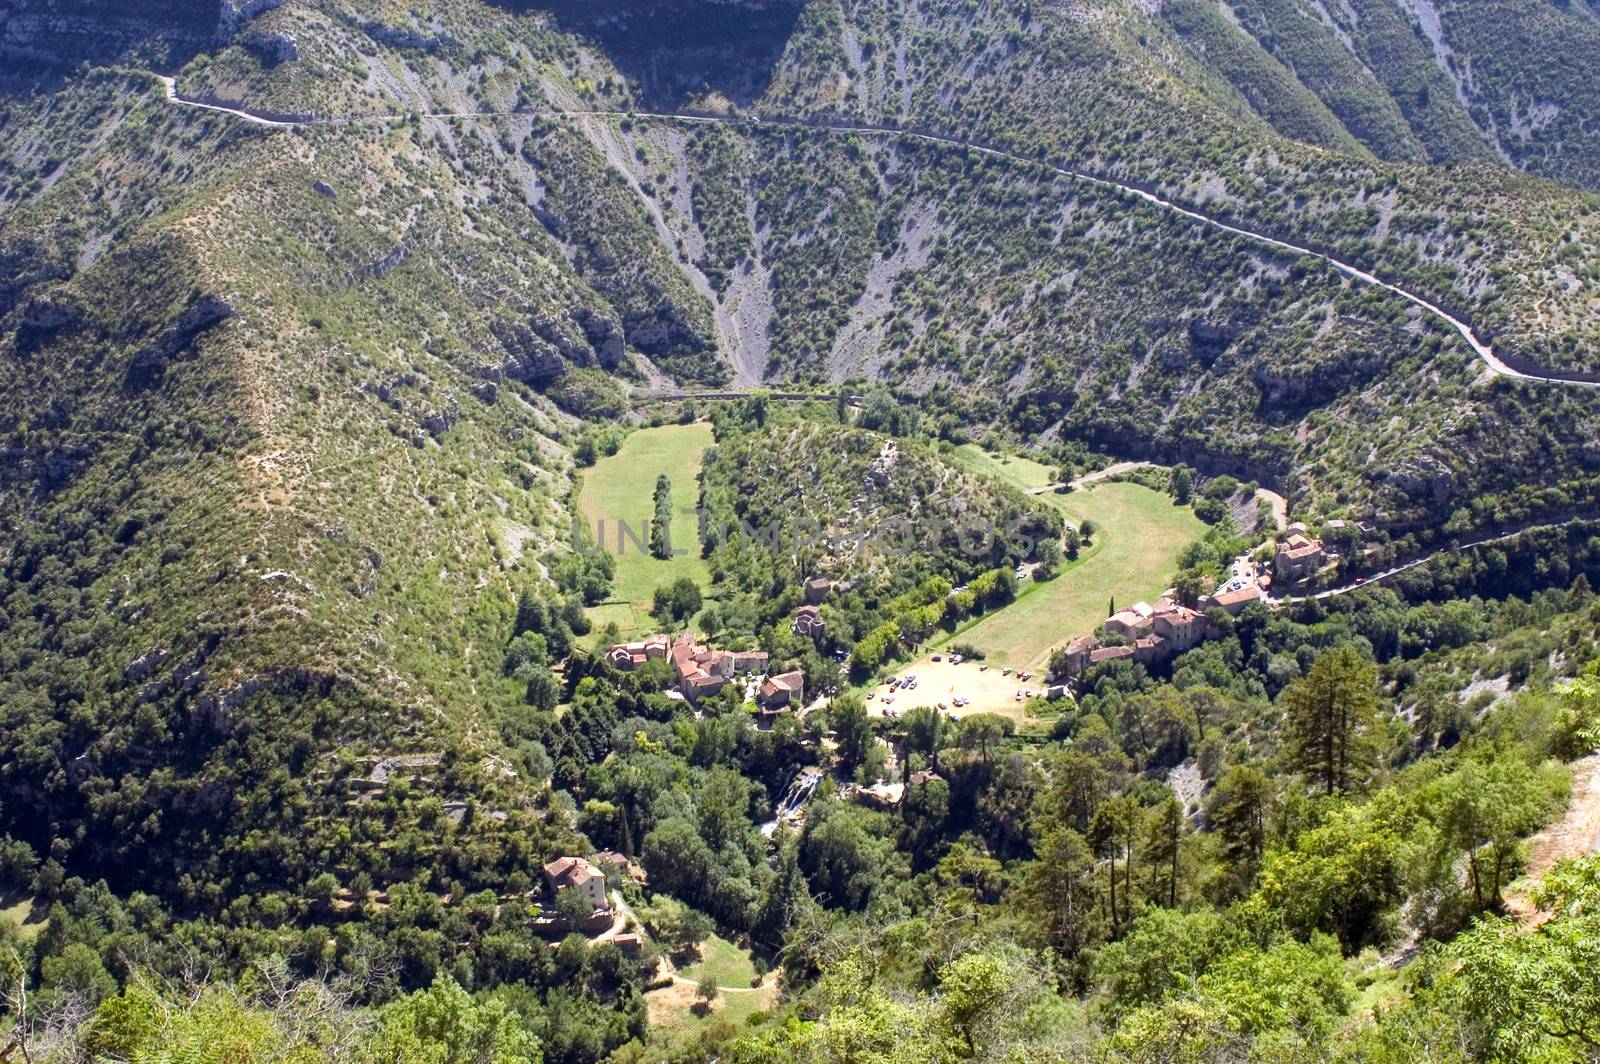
(1188, 586)
(924, 729)
(680, 926)
(852, 729)
(1160, 956)
(543, 690)
(722, 811)
(1058, 891)
(677, 601)
(1344, 876)
(574, 904)
(444, 1025)
(661, 519)
(79, 970)
(531, 613)
(786, 895)
(1114, 833)
(1163, 850)
(983, 730)
(1078, 786)
(1330, 716)
(1530, 995)
(1485, 808)
(14, 1001)
(973, 992)
(707, 992)
(1180, 483)
(1048, 555)
(1239, 809)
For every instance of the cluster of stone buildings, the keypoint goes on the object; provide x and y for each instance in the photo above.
(700, 670)
(1298, 556)
(1151, 634)
(1147, 634)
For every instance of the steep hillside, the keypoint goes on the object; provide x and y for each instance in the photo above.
(276, 470)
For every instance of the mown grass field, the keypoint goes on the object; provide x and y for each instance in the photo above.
(723, 961)
(1138, 534)
(619, 489)
(674, 1017)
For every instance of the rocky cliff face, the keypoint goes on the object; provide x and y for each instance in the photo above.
(235, 13)
(64, 33)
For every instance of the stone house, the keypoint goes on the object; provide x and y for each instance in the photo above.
(575, 873)
(781, 693)
(807, 622)
(1297, 557)
(1233, 597)
(1131, 623)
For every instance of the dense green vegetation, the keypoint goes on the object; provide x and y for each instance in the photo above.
(296, 690)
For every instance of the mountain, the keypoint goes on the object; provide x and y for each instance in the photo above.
(288, 396)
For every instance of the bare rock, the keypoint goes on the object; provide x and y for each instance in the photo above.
(272, 48)
(149, 363)
(528, 357)
(604, 334)
(233, 14)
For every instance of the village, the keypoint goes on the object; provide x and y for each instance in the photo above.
(1153, 635)
(700, 671)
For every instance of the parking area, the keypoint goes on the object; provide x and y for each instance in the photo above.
(981, 688)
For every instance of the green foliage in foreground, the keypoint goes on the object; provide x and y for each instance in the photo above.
(307, 1023)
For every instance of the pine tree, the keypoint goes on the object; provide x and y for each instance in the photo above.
(530, 613)
(1331, 717)
(1241, 805)
(1163, 850)
(1058, 891)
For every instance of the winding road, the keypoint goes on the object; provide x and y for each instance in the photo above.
(1484, 352)
(1368, 581)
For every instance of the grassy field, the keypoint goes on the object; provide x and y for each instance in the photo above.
(620, 489)
(1019, 472)
(674, 1017)
(1138, 534)
(17, 910)
(723, 961)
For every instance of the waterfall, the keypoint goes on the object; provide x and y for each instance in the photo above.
(792, 804)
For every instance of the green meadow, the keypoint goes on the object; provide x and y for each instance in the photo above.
(619, 489)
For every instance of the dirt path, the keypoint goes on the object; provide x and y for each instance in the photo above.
(1577, 833)
(1483, 351)
(1280, 507)
(1091, 478)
